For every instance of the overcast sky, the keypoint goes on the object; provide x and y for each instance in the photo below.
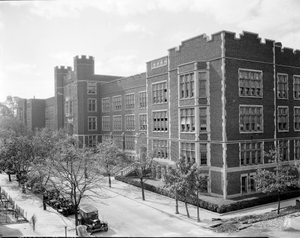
(122, 35)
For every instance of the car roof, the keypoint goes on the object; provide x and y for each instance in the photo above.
(87, 208)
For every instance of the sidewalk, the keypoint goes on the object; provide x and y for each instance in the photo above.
(48, 223)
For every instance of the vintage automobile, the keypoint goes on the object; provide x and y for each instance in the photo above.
(88, 215)
(66, 208)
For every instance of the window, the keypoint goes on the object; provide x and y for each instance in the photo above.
(283, 118)
(187, 151)
(160, 148)
(92, 141)
(284, 149)
(251, 119)
(91, 88)
(92, 105)
(251, 153)
(129, 101)
(159, 62)
(248, 183)
(47, 123)
(160, 121)
(106, 123)
(187, 119)
(282, 86)
(129, 123)
(296, 87)
(117, 123)
(187, 85)
(117, 103)
(203, 154)
(296, 118)
(119, 141)
(143, 122)
(244, 183)
(202, 77)
(142, 100)
(250, 83)
(92, 123)
(252, 185)
(46, 113)
(297, 149)
(203, 119)
(159, 92)
(129, 143)
(105, 105)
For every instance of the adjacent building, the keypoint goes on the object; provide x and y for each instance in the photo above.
(219, 100)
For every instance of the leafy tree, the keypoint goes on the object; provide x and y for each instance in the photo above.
(109, 157)
(200, 182)
(181, 181)
(278, 180)
(142, 166)
(9, 107)
(74, 173)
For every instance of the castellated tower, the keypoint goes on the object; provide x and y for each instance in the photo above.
(59, 73)
(84, 66)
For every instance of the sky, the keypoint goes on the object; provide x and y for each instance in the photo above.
(122, 35)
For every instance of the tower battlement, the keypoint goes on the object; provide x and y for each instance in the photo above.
(85, 59)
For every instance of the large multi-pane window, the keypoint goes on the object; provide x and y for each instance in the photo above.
(106, 123)
(296, 86)
(284, 149)
(250, 83)
(117, 123)
(159, 92)
(187, 85)
(283, 118)
(91, 87)
(187, 119)
(203, 119)
(282, 85)
(142, 100)
(251, 153)
(296, 118)
(297, 149)
(203, 154)
(251, 119)
(119, 141)
(129, 101)
(129, 123)
(202, 79)
(160, 148)
(92, 141)
(92, 105)
(129, 142)
(143, 122)
(92, 123)
(105, 104)
(117, 103)
(160, 121)
(188, 151)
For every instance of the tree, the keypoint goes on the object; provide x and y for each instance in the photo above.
(278, 180)
(9, 107)
(142, 166)
(109, 157)
(200, 182)
(74, 173)
(181, 181)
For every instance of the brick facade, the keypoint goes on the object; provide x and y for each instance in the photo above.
(212, 99)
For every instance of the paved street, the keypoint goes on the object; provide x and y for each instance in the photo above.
(127, 215)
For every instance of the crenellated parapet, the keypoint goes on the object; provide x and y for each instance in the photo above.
(62, 69)
(84, 59)
(286, 56)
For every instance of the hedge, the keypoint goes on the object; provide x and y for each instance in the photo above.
(219, 208)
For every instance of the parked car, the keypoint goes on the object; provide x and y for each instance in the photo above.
(88, 215)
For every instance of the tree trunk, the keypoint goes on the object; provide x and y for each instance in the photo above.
(198, 217)
(142, 186)
(109, 180)
(176, 200)
(76, 217)
(9, 177)
(278, 209)
(186, 208)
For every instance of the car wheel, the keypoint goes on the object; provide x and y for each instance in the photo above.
(106, 229)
